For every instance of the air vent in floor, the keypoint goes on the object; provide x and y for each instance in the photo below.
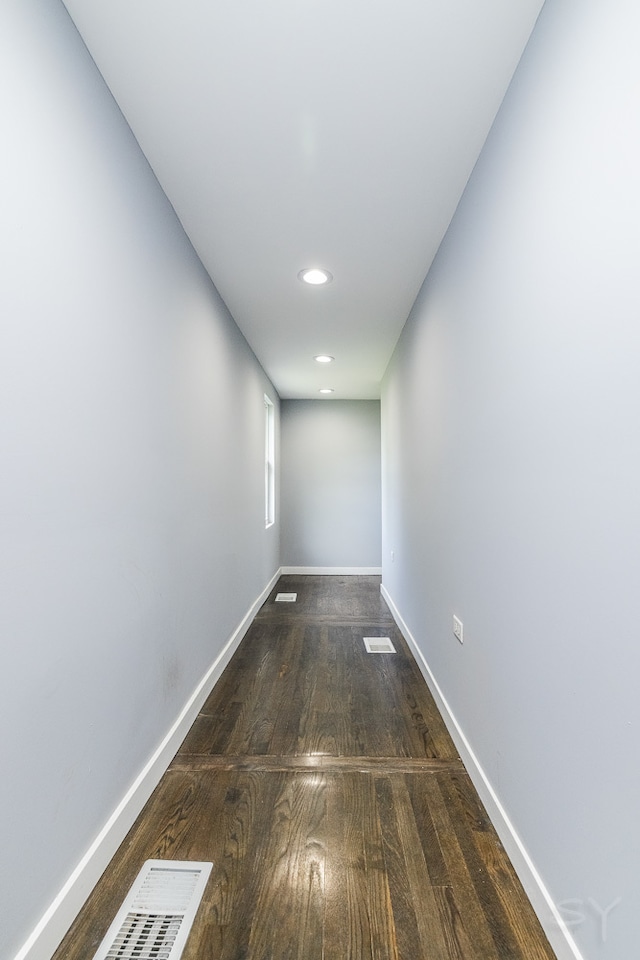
(378, 645)
(154, 921)
(286, 597)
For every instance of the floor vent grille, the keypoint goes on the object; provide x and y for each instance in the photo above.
(286, 597)
(154, 921)
(378, 645)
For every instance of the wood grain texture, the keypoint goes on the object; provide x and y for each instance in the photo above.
(310, 688)
(322, 784)
(328, 598)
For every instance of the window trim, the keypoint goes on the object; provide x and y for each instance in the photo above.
(269, 463)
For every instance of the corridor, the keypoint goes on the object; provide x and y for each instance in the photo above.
(323, 785)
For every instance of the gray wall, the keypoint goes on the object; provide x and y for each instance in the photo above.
(131, 489)
(511, 464)
(331, 483)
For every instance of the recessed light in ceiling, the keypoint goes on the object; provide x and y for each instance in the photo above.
(324, 358)
(326, 390)
(315, 276)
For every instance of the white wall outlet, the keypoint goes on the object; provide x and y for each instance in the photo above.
(458, 629)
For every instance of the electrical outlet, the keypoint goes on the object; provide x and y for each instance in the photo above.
(458, 629)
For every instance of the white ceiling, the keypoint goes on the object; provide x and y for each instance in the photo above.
(294, 133)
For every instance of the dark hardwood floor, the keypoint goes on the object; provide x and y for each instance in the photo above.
(322, 783)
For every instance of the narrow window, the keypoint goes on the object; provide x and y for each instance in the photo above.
(269, 463)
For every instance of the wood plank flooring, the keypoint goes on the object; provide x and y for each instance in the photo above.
(322, 783)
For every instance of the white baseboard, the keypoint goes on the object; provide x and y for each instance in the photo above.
(550, 919)
(334, 571)
(46, 937)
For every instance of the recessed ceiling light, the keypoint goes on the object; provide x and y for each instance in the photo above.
(315, 276)
(326, 390)
(324, 358)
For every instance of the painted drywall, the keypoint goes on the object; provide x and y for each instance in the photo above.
(132, 480)
(511, 458)
(330, 468)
